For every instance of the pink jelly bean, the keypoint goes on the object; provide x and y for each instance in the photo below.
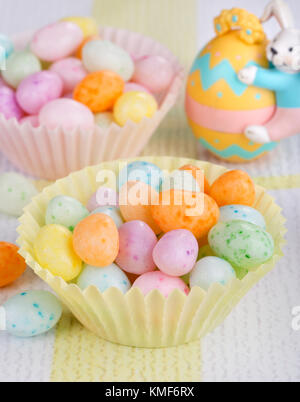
(9, 106)
(176, 253)
(137, 242)
(104, 197)
(132, 87)
(154, 72)
(37, 90)
(33, 120)
(67, 114)
(71, 71)
(57, 41)
(161, 282)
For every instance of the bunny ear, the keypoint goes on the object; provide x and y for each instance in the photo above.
(281, 11)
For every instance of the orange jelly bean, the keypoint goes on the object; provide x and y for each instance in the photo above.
(85, 41)
(234, 187)
(199, 176)
(198, 212)
(12, 264)
(99, 91)
(96, 240)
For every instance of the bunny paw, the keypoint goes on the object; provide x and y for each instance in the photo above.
(258, 134)
(247, 75)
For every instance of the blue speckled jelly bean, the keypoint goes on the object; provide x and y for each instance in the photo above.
(6, 47)
(104, 278)
(242, 244)
(142, 171)
(113, 212)
(242, 213)
(32, 313)
(65, 211)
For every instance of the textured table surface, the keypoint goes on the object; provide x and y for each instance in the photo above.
(257, 342)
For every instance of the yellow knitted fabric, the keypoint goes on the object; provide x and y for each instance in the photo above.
(81, 356)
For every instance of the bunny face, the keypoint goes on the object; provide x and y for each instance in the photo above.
(284, 51)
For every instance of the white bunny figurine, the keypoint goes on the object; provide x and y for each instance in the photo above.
(283, 78)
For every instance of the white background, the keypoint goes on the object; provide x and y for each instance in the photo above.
(257, 342)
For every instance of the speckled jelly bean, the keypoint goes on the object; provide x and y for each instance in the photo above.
(176, 253)
(180, 180)
(9, 106)
(96, 240)
(71, 72)
(65, 211)
(234, 187)
(177, 209)
(134, 106)
(32, 313)
(104, 120)
(19, 66)
(101, 55)
(56, 41)
(210, 270)
(37, 90)
(99, 91)
(104, 278)
(154, 72)
(103, 197)
(16, 191)
(12, 265)
(242, 213)
(137, 242)
(241, 243)
(113, 212)
(142, 171)
(6, 47)
(66, 114)
(161, 282)
(54, 251)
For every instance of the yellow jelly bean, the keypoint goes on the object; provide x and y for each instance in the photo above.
(134, 106)
(88, 25)
(54, 251)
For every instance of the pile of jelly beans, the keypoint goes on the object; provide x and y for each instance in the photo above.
(69, 77)
(122, 241)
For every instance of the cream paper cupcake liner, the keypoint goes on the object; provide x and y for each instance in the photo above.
(132, 319)
(52, 154)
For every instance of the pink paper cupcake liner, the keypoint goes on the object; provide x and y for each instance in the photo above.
(53, 154)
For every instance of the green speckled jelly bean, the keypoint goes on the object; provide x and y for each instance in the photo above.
(16, 191)
(243, 244)
(65, 211)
